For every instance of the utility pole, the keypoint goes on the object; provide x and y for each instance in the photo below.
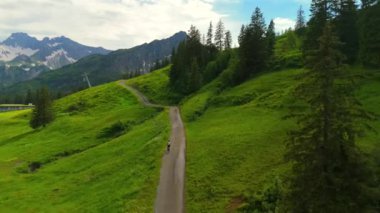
(86, 79)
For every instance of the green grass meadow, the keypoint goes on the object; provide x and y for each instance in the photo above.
(235, 145)
(155, 85)
(235, 137)
(80, 170)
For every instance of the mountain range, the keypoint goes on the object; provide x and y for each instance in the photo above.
(100, 68)
(20, 48)
(23, 57)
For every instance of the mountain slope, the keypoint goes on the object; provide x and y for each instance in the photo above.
(102, 68)
(235, 137)
(88, 164)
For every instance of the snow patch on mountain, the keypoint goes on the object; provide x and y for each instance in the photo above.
(58, 59)
(54, 44)
(8, 53)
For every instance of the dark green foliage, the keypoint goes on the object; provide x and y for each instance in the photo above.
(43, 112)
(219, 35)
(300, 23)
(195, 76)
(370, 36)
(231, 76)
(33, 166)
(271, 39)
(209, 37)
(343, 14)
(189, 60)
(287, 51)
(79, 106)
(28, 97)
(18, 99)
(266, 201)
(253, 47)
(328, 173)
(215, 67)
(346, 28)
(321, 12)
(157, 65)
(115, 130)
(227, 40)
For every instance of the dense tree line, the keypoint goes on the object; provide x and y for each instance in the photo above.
(29, 97)
(159, 64)
(369, 33)
(357, 29)
(256, 48)
(193, 62)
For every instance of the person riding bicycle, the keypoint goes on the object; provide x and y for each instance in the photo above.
(168, 145)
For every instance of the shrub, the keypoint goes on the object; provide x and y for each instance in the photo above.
(33, 166)
(115, 130)
(266, 201)
(79, 106)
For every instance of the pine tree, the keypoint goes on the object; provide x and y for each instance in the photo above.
(209, 36)
(185, 73)
(321, 12)
(28, 97)
(346, 27)
(327, 169)
(227, 40)
(253, 47)
(300, 23)
(241, 35)
(195, 80)
(219, 35)
(43, 112)
(271, 38)
(369, 23)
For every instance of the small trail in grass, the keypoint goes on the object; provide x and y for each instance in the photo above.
(170, 192)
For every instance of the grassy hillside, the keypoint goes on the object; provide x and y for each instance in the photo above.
(102, 153)
(236, 146)
(156, 86)
(235, 137)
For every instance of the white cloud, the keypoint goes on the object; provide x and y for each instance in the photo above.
(110, 23)
(282, 24)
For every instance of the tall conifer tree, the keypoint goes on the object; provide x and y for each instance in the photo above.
(271, 38)
(346, 27)
(253, 47)
(219, 35)
(209, 36)
(300, 23)
(321, 12)
(227, 40)
(43, 112)
(327, 170)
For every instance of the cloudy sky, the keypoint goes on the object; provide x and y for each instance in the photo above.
(116, 24)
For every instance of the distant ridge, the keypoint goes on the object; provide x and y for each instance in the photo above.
(53, 53)
(101, 68)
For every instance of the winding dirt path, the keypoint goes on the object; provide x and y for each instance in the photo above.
(170, 191)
